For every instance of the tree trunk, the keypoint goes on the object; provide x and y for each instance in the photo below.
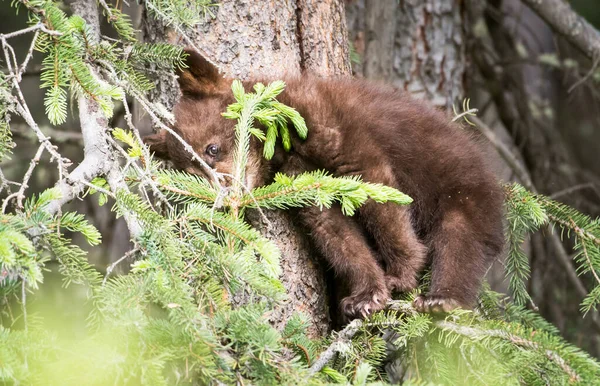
(253, 38)
(416, 45)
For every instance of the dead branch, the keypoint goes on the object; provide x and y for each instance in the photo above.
(564, 20)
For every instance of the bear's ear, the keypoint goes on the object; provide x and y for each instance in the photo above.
(200, 77)
(158, 144)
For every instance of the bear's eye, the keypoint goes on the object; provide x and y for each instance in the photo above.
(212, 150)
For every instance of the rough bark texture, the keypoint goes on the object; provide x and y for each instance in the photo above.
(380, 31)
(426, 55)
(251, 38)
(323, 37)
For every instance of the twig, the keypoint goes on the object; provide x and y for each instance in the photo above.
(23, 111)
(245, 187)
(582, 233)
(60, 136)
(574, 188)
(587, 258)
(143, 174)
(111, 267)
(215, 176)
(586, 77)
(28, 56)
(99, 189)
(344, 337)
(37, 27)
(4, 182)
(565, 261)
(470, 112)
(107, 9)
(20, 194)
(115, 180)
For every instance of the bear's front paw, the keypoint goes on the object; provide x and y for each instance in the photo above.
(365, 302)
(436, 304)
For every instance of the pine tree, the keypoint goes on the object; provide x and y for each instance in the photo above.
(173, 318)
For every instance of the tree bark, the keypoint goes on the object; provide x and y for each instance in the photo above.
(417, 45)
(252, 38)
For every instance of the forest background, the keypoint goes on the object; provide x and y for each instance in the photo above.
(530, 71)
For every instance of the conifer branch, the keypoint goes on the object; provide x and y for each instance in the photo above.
(477, 334)
(99, 158)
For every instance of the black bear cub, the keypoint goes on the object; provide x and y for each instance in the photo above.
(381, 133)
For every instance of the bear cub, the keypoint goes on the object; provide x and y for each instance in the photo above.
(381, 133)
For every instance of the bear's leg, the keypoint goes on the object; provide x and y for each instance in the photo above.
(343, 244)
(391, 226)
(404, 255)
(459, 262)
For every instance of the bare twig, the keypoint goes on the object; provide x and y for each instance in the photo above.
(565, 261)
(20, 194)
(587, 257)
(586, 76)
(59, 136)
(575, 188)
(470, 113)
(106, 8)
(28, 56)
(4, 183)
(111, 267)
(37, 27)
(344, 337)
(23, 110)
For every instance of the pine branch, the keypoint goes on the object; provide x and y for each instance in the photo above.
(320, 189)
(94, 126)
(478, 334)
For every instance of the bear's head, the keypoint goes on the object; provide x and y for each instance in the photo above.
(205, 95)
